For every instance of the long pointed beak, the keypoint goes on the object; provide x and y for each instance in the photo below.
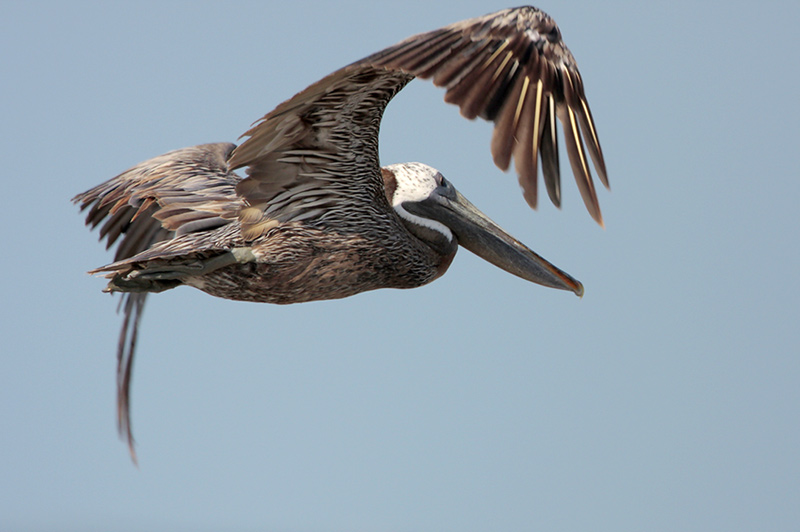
(476, 232)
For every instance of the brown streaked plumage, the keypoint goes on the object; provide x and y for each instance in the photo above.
(317, 217)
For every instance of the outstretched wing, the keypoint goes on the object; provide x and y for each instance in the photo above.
(177, 193)
(319, 149)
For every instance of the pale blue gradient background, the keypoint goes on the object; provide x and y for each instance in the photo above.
(667, 399)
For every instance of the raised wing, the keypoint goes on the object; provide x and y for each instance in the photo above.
(319, 149)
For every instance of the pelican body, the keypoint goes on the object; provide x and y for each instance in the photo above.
(317, 217)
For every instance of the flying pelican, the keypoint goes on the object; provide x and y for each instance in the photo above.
(317, 217)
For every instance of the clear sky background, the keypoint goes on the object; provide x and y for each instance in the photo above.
(668, 398)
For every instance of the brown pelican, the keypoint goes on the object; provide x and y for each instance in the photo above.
(317, 217)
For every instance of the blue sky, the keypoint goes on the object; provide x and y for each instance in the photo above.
(666, 399)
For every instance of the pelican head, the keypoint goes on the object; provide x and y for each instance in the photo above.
(435, 212)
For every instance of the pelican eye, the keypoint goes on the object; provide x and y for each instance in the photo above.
(447, 189)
